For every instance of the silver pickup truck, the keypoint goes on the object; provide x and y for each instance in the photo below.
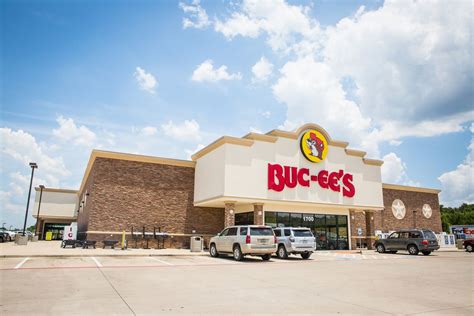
(294, 240)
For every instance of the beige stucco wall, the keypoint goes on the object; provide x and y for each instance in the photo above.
(56, 204)
(244, 172)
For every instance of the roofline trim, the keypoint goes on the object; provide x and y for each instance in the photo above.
(221, 141)
(409, 188)
(46, 189)
(273, 135)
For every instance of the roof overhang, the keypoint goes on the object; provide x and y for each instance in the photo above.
(220, 201)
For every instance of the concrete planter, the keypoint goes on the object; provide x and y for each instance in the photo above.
(21, 240)
(34, 238)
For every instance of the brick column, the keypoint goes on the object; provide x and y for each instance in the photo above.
(258, 213)
(229, 213)
(369, 229)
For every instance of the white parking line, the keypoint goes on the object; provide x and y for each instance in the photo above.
(97, 263)
(18, 266)
(219, 260)
(170, 264)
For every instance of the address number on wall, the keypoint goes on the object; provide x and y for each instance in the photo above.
(308, 218)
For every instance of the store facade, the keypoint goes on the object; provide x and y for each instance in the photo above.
(300, 178)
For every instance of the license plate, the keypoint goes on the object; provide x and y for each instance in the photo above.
(262, 241)
(304, 241)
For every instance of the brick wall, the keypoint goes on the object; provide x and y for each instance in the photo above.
(128, 193)
(414, 201)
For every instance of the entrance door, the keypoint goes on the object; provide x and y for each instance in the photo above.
(56, 229)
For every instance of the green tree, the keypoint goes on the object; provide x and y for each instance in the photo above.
(462, 215)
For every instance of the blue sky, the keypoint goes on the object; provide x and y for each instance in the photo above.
(166, 78)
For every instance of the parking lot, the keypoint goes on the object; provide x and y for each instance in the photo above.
(328, 283)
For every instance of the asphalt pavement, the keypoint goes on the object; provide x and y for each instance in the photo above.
(328, 283)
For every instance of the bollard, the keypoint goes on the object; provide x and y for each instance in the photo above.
(123, 241)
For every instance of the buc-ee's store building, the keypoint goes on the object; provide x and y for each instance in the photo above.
(300, 178)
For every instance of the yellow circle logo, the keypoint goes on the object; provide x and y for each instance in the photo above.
(314, 145)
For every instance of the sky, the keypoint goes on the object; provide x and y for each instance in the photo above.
(166, 78)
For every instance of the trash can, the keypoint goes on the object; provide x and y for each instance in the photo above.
(196, 244)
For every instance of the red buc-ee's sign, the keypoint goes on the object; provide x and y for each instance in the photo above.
(280, 177)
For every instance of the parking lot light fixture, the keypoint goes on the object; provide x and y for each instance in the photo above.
(39, 207)
(33, 166)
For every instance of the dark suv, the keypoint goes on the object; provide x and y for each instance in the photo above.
(412, 240)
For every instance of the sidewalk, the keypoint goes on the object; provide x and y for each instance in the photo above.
(53, 249)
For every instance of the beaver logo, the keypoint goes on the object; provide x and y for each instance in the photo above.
(314, 146)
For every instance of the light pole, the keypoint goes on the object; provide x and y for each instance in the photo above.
(3, 226)
(33, 166)
(39, 206)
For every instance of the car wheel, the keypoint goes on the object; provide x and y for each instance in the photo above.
(237, 253)
(213, 251)
(380, 248)
(1, 239)
(469, 248)
(426, 253)
(282, 253)
(266, 257)
(413, 250)
(306, 255)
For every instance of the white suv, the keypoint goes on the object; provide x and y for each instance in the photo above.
(298, 240)
(244, 240)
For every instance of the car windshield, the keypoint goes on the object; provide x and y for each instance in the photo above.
(302, 233)
(429, 234)
(261, 231)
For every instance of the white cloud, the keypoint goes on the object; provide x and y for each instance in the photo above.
(312, 93)
(145, 80)
(18, 149)
(187, 131)
(197, 15)
(262, 70)
(282, 23)
(255, 130)
(70, 132)
(458, 184)
(207, 72)
(22, 147)
(410, 60)
(410, 63)
(266, 114)
(190, 152)
(149, 131)
(393, 169)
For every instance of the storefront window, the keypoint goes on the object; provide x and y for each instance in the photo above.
(330, 231)
(283, 219)
(295, 219)
(270, 219)
(244, 218)
(308, 221)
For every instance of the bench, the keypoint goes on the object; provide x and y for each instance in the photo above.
(88, 243)
(66, 243)
(109, 243)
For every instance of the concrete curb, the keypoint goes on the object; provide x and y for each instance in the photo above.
(104, 255)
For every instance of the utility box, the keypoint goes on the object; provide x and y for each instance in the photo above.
(196, 244)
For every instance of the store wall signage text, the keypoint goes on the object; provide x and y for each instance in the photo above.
(281, 177)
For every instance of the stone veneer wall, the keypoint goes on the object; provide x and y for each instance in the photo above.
(128, 193)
